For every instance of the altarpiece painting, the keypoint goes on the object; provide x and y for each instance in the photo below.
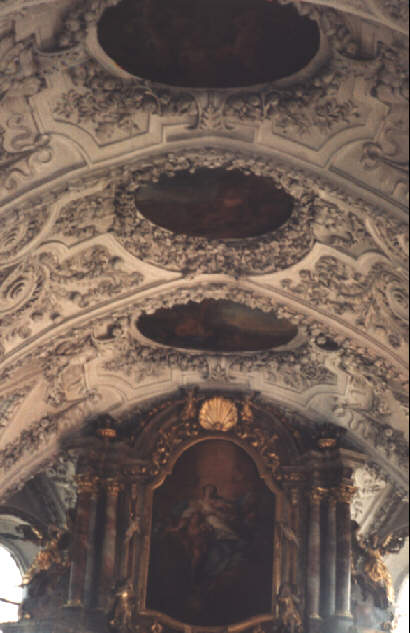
(211, 555)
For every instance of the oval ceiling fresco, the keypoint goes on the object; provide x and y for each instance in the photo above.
(215, 203)
(218, 326)
(208, 43)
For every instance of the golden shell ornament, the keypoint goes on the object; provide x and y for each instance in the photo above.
(218, 414)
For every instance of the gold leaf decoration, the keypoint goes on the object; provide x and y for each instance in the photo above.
(218, 414)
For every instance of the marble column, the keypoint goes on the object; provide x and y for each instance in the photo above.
(131, 542)
(89, 579)
(313, 562)
(79, 546)
(344, 551)
(331, 557)
(109, 548)
(295, 516)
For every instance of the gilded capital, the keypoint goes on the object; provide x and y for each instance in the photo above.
(112, 486)
(317, 494)
(327, 443)
(87, 484)
(295, 496)
(344, 493)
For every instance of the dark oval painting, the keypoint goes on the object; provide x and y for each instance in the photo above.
(215, 203)
(208, 43)
(218, 326)
(211, 558)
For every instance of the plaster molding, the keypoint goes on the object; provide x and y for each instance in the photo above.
(110, 341)
(332, 95)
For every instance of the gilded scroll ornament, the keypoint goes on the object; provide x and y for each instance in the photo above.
(218, 414)
(247, 413)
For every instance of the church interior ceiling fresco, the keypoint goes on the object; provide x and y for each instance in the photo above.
(209, 195)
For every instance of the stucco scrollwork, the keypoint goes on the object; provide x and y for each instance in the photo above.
(90, 276)
(313, 219)
(107, 104)
(42, 289)
(112, 107)
(20, 289)
(80, 17)
(19, 71)
(368, 485)
(273, 251)
(21, 163)
(124, 354)
(18, 227)
(11, 402)
(306, 105)
(378, 299)
(339, 218)
(41, 433)
(397, 10)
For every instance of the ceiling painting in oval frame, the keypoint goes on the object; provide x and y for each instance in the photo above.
(208, 43)
(216, 326)
(215, 203)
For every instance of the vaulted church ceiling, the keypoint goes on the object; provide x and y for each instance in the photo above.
(128, 191)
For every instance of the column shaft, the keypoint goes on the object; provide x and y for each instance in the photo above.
(107, 579)
(313, 572)
(295, 513)
(80, 543)
(344, 558)
(132, 536)
(91, 552)
(331, 557)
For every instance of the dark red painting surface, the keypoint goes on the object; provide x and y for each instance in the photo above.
(215, 203)
(208, 43)
(220, 326)
(211, 554)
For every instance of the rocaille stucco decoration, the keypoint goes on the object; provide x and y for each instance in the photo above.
(50, 285)
(317, 217)
(337, 102)
(79, 264)
(63, 369)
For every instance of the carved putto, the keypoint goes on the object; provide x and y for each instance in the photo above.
(47, 579)
(372, 581)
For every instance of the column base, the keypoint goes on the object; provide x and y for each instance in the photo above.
(315, 624)
(339, 624)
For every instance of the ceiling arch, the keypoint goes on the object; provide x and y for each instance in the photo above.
(79, 263)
